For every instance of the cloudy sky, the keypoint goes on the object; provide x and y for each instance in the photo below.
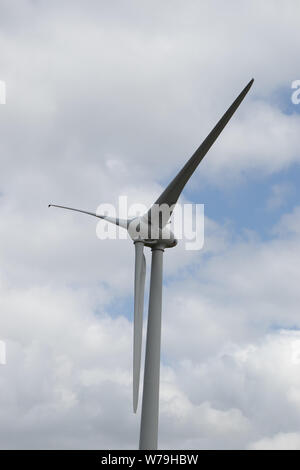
(111, 98)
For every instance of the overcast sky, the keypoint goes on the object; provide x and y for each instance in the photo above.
(111, 98)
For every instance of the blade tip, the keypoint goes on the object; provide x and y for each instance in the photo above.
(135, 404)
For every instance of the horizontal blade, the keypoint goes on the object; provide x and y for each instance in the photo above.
(139, 287)
(114, 220)
(174, 189)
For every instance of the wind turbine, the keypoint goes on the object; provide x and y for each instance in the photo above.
(151, 230)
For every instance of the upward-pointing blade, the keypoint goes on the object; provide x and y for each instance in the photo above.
(174, 189)
(139, 287)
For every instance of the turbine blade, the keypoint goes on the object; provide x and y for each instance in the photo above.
(139, 287)
(171, 194)
(114, 220)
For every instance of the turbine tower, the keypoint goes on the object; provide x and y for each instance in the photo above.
(151, 230)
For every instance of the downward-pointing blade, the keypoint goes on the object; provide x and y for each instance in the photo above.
(139, 287)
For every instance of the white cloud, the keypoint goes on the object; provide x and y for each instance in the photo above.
(279, 195)
(281, 441)
(253, 385)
